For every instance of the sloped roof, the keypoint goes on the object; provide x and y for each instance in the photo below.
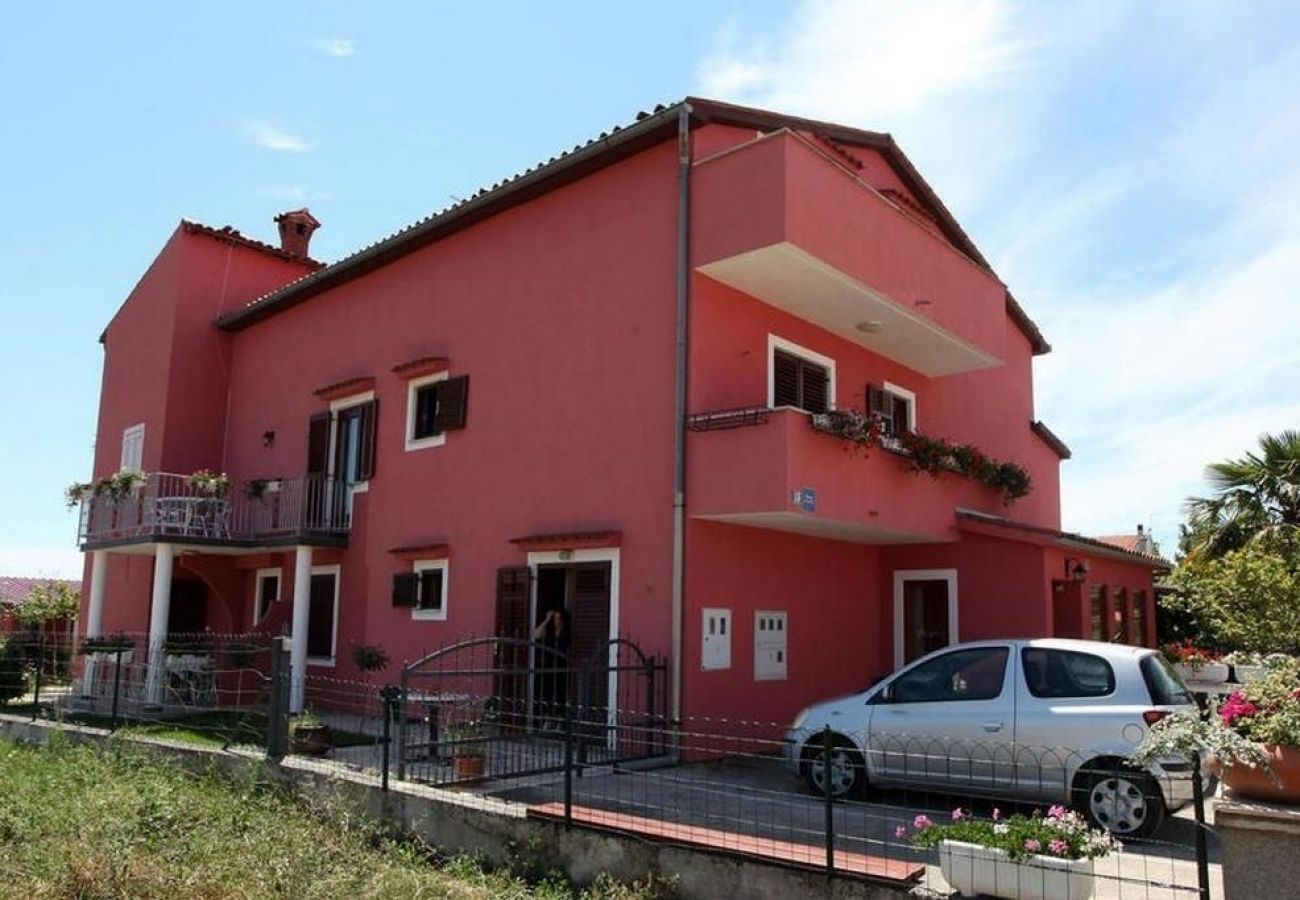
(14, 590)
(1066, 538)
(610, 147)
(234, 236)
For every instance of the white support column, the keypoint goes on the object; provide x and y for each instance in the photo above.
(298, 647)
(95, 611)
(159, 609)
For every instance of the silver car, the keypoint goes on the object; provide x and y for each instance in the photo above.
(1036, 720)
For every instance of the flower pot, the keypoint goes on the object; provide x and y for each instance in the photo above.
(973, 869)
(310, 740)
(1209, 673)
(1246, 674)
(1257, 784)
(466, 767)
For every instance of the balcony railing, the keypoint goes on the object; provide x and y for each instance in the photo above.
(169, 506)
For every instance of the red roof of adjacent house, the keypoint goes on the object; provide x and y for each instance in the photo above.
(14, 590)
(649, 128)
(234, 236)
(1133, 543)
(1066, 538)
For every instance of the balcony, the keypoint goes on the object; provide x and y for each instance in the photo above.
(779, 219)
(770, 469)
(169, 507)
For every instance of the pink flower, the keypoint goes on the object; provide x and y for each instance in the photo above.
(958, 815)
(1058, 847)
(900, 831)
(1056, 812)
(1237, 707)
(921, 821)
(997, 814)
(1033, 846)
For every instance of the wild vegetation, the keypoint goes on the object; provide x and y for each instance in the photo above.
(78, 821)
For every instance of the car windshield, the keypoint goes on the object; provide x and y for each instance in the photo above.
(1166, 688)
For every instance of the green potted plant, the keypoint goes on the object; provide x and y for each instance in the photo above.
(78, 492)
(1267, 713)
(468, 742)
(1032, 857)
(120, 485)
(1246, 666)
(370, 658)
(209, 483)
(1196, 663)
(108, 644)
(308, 735)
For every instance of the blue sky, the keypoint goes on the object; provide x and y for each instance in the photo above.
(1128, 167)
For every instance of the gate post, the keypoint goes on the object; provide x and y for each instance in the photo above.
(277, 726)
(401, 700)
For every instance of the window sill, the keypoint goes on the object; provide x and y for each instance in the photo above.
(436, 440)
(360, 487)
(320, 661)
(429, 615)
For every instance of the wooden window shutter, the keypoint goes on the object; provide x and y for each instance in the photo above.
(406, 586)
(366, 450)
(318, 444)
(814, 379)
(785, 379)
(453, 396)
(589, 617)
(512, 602)
(877, 400)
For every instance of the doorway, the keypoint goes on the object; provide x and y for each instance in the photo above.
(577, 596)
(925, 612)
(187, 607)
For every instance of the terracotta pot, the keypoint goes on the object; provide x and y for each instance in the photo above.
(1256, 784)
(466, 767)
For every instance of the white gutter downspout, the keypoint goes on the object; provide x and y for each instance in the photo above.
(679, 428)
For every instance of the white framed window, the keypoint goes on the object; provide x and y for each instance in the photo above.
(895, 405)
(323, 615)
(715, 652)
(133, 449)
(771, 645)
(798, 377)
(423, 428)
(431, 590)
(266, 593)
(352, 440)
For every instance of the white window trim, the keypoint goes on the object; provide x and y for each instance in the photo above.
(903, 393)
(432, 615)
(335, 407)
(412, 388)
(257, 590)
(904, 575)
(779, 343)
(128, 433)
(322, 661)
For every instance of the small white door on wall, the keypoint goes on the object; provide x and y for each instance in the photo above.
(715, 652)
(771, 645)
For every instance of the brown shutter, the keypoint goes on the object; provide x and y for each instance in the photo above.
(590, 612)
(511, 684)
(512, 602)
(453, 396)
(406, 586)
(814, 381)
(877, 400)
(318, 444)
(785, 379)
(366, 451)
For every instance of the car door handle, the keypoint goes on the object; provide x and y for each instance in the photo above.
(992, 726)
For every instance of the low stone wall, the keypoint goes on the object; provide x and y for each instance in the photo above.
(499, 830)
(1260, 847)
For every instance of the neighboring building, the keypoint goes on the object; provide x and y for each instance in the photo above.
(648, 322)
(14, 592)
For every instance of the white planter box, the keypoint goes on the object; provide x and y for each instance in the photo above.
(1210, 673)
(973, 870)
(1247, 674)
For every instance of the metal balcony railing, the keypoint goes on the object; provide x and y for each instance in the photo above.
(167, 505)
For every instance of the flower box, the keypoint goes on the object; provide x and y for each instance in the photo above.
(1248, 674)
(1206, 673)
(973, 869)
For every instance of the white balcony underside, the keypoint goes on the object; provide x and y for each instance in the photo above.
(792, 279)
(820, 527)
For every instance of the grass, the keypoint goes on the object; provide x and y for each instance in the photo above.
(81, 821)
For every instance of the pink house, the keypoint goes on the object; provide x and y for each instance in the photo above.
(657, 328)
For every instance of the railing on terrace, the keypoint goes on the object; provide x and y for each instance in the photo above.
(167, 505)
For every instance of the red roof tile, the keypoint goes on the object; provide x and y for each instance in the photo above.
(14, 590)
(233, 236)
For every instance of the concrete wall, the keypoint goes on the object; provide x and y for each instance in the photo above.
(1260, 845)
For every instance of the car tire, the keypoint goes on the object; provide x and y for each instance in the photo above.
(848, 770)
(1124, 801)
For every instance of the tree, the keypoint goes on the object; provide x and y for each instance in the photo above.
(13, 671)
(47, 602)
(1255, 495)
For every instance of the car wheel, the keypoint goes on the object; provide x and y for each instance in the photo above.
(1125, 802)
(848, 774)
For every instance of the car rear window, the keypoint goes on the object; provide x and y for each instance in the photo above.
(1166, 688)
(1066, 673)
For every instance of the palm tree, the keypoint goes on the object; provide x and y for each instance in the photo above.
(1258, 494)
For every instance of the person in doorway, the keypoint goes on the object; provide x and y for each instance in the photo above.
(552, 632)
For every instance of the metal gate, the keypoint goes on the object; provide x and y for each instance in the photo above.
(504, 707)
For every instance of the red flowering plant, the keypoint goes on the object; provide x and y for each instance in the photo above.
(1267, 711)
(1061, 833)
(1188, 654)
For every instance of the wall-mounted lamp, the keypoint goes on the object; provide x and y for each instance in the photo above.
(1075, 569)
(268, 438)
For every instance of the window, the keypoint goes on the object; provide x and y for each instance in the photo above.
(133, 449)
(895, 406)
(798, 377)
(431, 590)
(1140, 618)
(1066, 673)
(266, 593)
(341, 443)
(974, 674)
(323, 615)
(1097, 601)
(1119, 615)
(435, 404)
(1163, 683)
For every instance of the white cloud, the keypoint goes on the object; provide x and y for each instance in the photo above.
(337, 46)
(40, 561)
(270, 137)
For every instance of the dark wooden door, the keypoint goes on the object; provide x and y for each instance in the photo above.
(925, 617)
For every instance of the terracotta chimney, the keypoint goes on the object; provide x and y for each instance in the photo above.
(296, 227)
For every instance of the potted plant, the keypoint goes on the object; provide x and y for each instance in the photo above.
(370, 658)
(257, 488)
(1246, 666)
(468, 749)
(308, 735)
(1031, 857)
(120, 485)
(77, 492)
(1267, 713)
(1196, 663)
(119, 646)
(209, 483)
